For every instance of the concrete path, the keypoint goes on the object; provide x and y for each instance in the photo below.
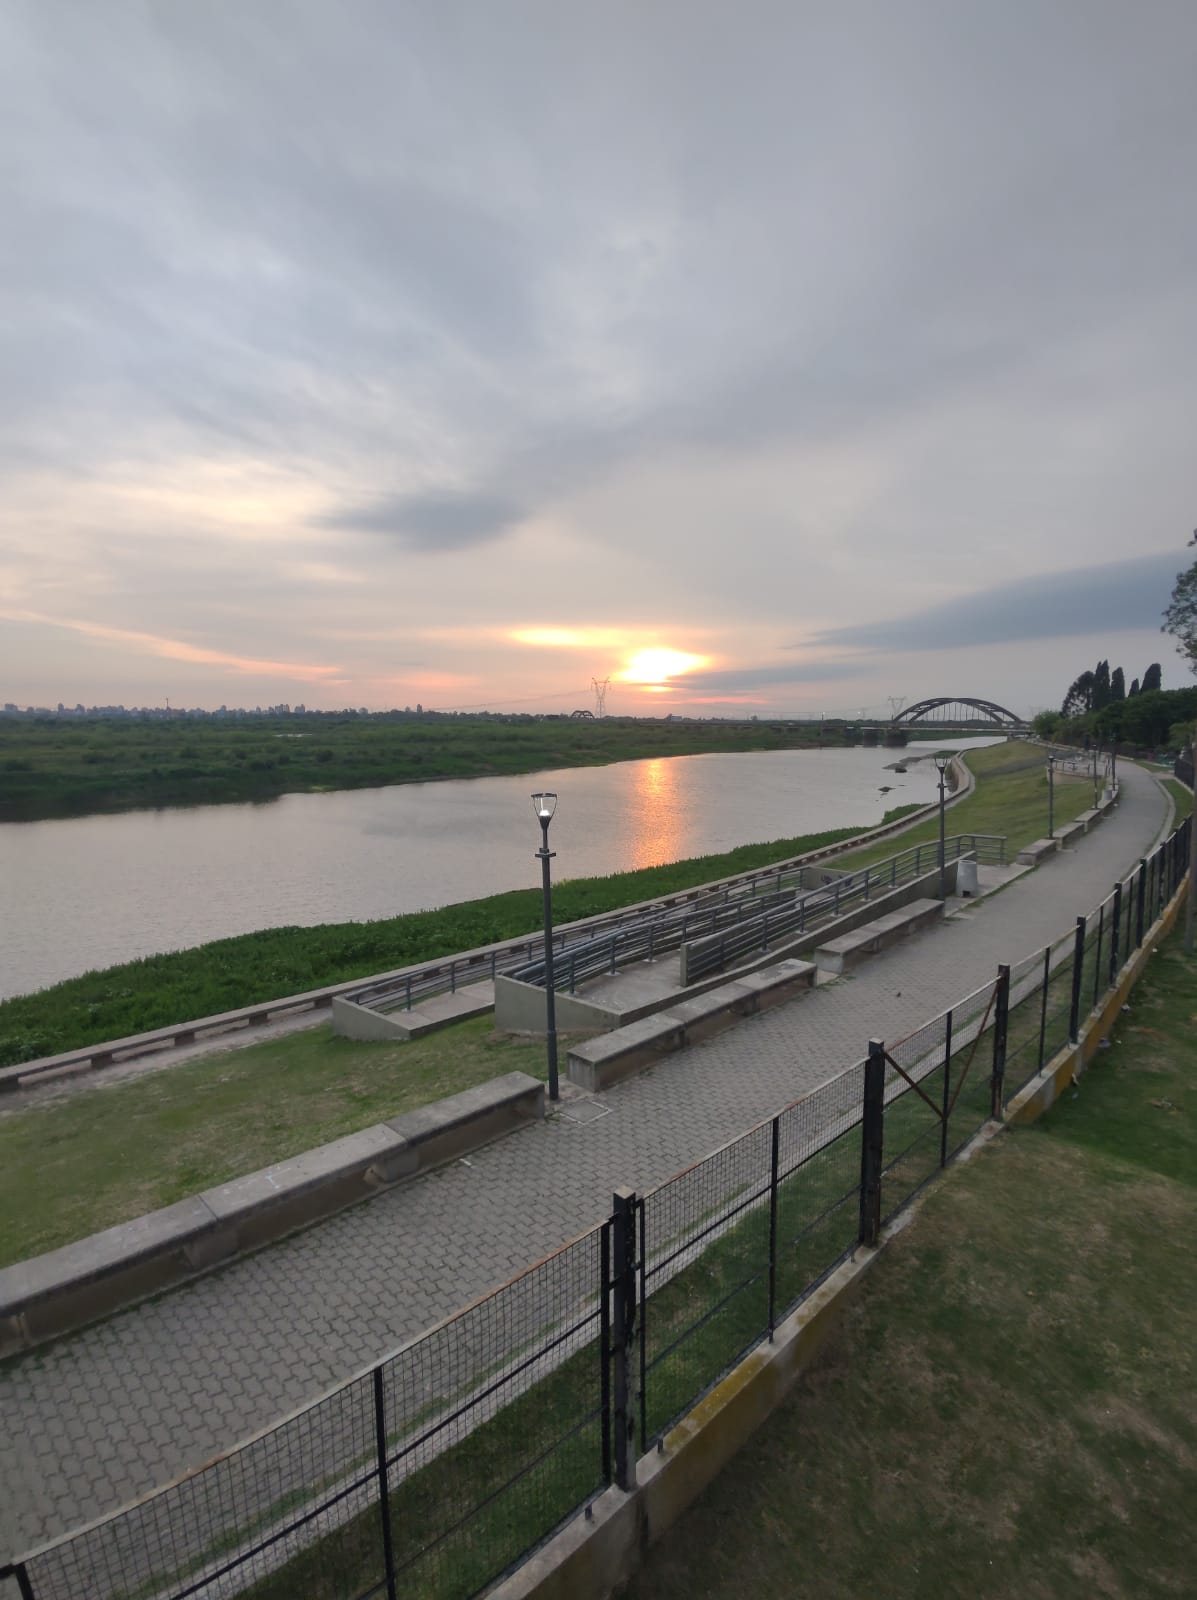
(92, 1421)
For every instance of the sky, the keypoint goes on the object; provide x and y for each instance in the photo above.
(764, 359)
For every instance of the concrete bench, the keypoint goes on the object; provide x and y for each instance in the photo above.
(1032, 854)
(93, 1277)
(1069, 833)
(598, 1063)
(837, 955)
(1088, 818)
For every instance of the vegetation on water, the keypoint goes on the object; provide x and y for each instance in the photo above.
(162, 990)
(108, 1153)
(1009, 1407)
(63, 767)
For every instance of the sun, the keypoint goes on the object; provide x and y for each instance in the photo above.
(658, 666)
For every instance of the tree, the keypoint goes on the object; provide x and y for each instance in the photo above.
(1079, 698)
(1133, 690)
(1180, 619)
(1101, 686)
(1151, 678)
(1117, 684)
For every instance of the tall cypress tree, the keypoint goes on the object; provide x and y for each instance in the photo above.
(1134, 689)
(1101, 685)
(1117, 685)
(1151, 678)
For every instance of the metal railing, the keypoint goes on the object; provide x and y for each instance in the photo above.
(440, 1468)
(738, 923)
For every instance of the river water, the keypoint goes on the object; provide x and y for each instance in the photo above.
(91, 891)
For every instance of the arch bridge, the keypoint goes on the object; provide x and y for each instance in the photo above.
(958, 711)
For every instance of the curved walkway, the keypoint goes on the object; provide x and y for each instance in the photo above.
(123, 1407)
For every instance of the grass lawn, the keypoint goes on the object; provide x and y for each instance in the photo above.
(1010, 798)
(1010, 1407)
(1182, 798)
(109, 1153)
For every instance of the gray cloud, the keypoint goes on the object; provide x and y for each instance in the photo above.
(551, 251)
(430, 522)
(1121, 596)
(781, 676)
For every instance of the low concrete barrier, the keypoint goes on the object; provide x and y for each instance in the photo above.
(1032, 854)
(599, 1063)
(1069, 833)
(838, 955)
(93, 1277)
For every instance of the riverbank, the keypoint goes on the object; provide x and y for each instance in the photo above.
(226, 974)
(63, 768)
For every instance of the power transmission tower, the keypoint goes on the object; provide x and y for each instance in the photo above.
(600, 687)
(896, 702)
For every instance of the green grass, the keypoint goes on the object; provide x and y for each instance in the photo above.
(108, 1153)
(1010, 1407)
(1182, 799)
(227, 974)
(1010, 798)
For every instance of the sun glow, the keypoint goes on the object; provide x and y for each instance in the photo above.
(654, 668)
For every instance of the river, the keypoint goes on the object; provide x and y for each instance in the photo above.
(88, 892)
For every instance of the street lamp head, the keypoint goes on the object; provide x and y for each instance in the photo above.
(942, 763)
(544, 805)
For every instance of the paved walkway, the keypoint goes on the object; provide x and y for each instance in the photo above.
(95, 1419)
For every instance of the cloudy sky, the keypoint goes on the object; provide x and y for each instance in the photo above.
(782, 357)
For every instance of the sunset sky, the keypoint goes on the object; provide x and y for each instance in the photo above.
(766, 359)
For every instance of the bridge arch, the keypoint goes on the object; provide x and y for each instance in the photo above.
(987, 711)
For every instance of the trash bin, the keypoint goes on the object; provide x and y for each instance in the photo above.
(966, 877)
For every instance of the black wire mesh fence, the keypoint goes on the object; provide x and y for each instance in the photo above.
(441, 1468)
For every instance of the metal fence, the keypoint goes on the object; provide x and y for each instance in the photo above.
(440, 1468)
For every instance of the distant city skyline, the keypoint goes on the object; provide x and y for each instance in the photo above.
(765, 360)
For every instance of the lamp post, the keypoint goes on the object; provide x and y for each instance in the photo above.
(1051, 797)
(1096, 754)
(942, 763)
(544, 805)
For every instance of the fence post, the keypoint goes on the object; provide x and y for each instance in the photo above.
(947, 1094)
(1078, 964)
(1001, 1022)
(605, 1287)
(1139, 901)
(384, 1499)
(773, 1165)
(872, 1143)
(1116, 925)
(1047, 978)
(1101, 928)
(623, 1330)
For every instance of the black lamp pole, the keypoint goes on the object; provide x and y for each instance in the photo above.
(942, 763)
(545, 805)
(1051, 797)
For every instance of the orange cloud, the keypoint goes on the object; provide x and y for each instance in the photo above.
(179, 649)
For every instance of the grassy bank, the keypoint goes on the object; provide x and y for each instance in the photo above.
(1010, 798)
(112, 1152)
(229, 973)
(62, 768)
(1010, 1407)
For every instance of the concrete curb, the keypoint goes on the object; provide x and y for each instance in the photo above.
(62, 1290)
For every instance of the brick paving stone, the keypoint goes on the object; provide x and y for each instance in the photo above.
(98, 1418)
